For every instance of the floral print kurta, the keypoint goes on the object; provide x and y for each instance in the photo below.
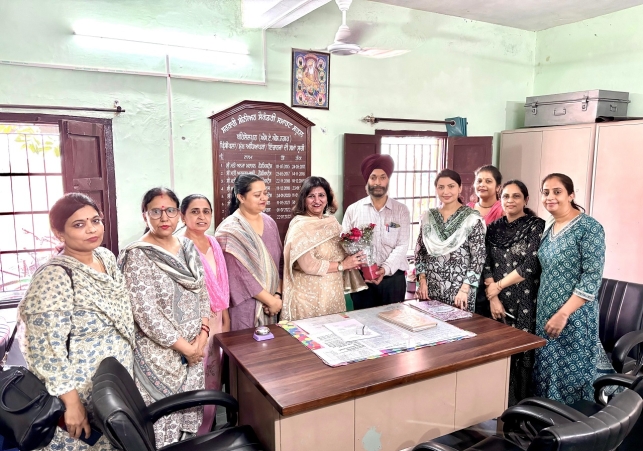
(95, 316)
(572, 263)
(164, 311)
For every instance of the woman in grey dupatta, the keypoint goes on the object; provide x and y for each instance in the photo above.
(253, 253)
(171, 309)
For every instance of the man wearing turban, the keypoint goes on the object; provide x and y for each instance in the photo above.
(390, 235)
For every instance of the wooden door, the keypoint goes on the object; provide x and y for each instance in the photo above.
(84, 166)
(570, 151)
(618, 185)
(466, 154)
(356, 148)
(520, 154)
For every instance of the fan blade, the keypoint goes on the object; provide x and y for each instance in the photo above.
(371, 52)
(360, 31)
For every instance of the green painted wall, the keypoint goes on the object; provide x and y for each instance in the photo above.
(600, 53)
(455, 67)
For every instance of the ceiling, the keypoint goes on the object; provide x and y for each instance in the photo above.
(532, 15)
(276, 13)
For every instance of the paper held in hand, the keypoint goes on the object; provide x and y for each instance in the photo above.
(408, 319)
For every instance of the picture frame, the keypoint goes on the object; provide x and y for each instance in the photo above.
(310, 79)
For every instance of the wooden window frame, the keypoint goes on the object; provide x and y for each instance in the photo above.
(412, 134)
(110, 205)
(403, 133)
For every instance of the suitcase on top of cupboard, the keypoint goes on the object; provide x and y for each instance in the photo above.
(574, 107)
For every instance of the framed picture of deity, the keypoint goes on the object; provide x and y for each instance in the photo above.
(310, 79)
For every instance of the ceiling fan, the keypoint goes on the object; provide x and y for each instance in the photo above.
(343, 44)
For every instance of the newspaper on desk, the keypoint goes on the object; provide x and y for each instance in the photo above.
(390, 339)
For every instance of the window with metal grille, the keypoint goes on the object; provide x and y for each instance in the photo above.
(417, 162)
(30, 182)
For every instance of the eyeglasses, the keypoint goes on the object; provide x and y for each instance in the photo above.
(156, 213)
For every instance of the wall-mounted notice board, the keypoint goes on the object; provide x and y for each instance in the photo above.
(265, 138)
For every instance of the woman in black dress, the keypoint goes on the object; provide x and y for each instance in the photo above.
(511, 275)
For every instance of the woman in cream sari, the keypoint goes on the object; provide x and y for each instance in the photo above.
(450, 251)
(318, 272)
(253, 254)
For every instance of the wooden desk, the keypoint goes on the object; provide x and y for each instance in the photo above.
(296, 402)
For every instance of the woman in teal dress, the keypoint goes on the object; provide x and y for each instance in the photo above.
(572, 254)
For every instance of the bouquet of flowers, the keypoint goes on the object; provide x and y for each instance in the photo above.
(361, 239)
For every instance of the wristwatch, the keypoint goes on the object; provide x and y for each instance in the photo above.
(340, 267)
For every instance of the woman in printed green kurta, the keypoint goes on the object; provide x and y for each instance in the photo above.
(75, 313)
(572, 254)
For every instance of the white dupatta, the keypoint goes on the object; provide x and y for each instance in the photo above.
(441, 238)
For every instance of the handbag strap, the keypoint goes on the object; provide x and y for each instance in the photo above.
(10, 343)
(15, 329)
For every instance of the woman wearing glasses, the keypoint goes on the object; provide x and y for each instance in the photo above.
(171, 308)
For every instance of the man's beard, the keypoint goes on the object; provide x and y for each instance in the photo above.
(372, 193)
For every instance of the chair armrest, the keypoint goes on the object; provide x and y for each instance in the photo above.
(520, 413)
(432, 446)
(623, 347)
(556, 407)
(193, 398)
(621, 380)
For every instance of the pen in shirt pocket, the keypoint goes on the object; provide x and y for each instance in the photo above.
(392, 225)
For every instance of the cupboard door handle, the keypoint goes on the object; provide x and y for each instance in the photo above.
(559, 111)
(613, 108)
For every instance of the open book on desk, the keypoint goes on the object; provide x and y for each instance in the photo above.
(408, 319)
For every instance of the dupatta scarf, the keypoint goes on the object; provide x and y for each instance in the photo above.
(440, 237)
(110, 296)
(503, 234)
(237, 237)
(217, 284)
(188, 275)
(494, 213)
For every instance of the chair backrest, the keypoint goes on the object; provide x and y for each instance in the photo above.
(120, 409)
(605, 430)
(621, 311)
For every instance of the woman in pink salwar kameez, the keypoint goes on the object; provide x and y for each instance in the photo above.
(196, 213)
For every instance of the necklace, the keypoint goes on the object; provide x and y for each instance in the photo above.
(482, 206)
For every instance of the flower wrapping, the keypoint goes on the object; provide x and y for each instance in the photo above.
(361, 239)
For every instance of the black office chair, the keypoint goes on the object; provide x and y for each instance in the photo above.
(621, 324)
(634, 440)
(127, 422)
(539, 424)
